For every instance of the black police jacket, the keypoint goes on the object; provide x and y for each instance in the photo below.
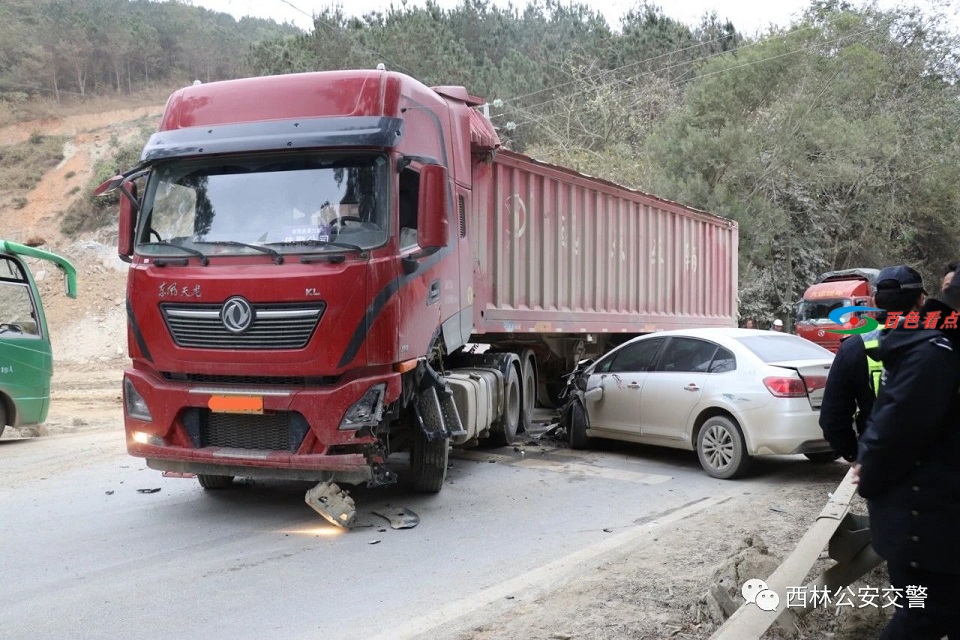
(910, 452)
(848, 392)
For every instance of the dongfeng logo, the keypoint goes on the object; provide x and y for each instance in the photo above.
(236, 315)
(867, 323)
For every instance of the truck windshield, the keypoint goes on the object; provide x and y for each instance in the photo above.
(819, 310)
(291, 202)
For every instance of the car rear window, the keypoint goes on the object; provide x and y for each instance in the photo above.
(778, 347)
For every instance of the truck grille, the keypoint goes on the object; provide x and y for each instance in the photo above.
(238, 431)
(275, 326)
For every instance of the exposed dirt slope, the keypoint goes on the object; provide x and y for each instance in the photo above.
(90, 328)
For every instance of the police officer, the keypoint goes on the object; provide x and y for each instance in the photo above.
(908, 469)
(854, 377)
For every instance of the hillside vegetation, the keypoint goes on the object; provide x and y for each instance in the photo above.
(72, 49)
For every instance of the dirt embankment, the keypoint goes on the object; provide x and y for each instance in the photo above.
(91, 328)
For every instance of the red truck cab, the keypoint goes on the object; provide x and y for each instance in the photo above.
(834, 289)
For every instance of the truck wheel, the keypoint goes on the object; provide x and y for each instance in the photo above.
(528, 375)
(211, 483)
(577, 427)
(505, 431)
(428, 462)
(553, 394)
(3, 418)
(721, 448)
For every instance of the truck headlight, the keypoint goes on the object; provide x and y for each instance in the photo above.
(134, 403)
(367, 411)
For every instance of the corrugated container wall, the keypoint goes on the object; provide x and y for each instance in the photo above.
(561, 252)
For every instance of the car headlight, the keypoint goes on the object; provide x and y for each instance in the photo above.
(134, 403)
(367, 411)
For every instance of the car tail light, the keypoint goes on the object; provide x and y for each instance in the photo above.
(815, 382)
(785, 387)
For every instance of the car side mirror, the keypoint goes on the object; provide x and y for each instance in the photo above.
(594, 395)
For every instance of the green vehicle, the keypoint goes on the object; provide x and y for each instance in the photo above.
(26, 360)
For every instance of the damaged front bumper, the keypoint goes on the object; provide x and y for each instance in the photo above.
(291, 433)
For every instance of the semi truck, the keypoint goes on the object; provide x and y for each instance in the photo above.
(26, 357)
(331, 267)
(834, 289)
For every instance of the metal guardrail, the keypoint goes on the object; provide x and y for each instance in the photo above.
(849, 545)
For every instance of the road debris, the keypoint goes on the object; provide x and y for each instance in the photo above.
(333, 503)
(109, 493)
(400, 518)
(154, 490)
(374, 542)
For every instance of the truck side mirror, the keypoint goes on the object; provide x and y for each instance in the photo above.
(128, 219)
(433, 225)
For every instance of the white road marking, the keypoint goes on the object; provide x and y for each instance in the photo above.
(542, 579)
(540, 464)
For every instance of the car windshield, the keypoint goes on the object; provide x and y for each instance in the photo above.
(290, 203)
(780, 347)
(819, 310)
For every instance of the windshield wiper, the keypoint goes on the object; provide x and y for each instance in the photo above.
(318, 243)
(166, 243)
(277, 258)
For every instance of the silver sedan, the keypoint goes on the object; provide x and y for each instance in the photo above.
(728, 394)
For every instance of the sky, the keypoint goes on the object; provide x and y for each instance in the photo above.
(748, 16)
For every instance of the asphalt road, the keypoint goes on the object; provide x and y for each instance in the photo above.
(85, 555)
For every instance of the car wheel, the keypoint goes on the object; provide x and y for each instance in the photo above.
(822, 457)
(721, 448)
(577, 427)
(212, 483)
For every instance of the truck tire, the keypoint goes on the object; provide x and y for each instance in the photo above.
(505, 430)
(3, 417)
(213, 483)
(577, 427)
(428, 462)
(528, 389)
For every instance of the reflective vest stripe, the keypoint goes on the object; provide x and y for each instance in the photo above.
(874, 367)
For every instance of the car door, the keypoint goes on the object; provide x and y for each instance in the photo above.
(620, 376)
(672, 390)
